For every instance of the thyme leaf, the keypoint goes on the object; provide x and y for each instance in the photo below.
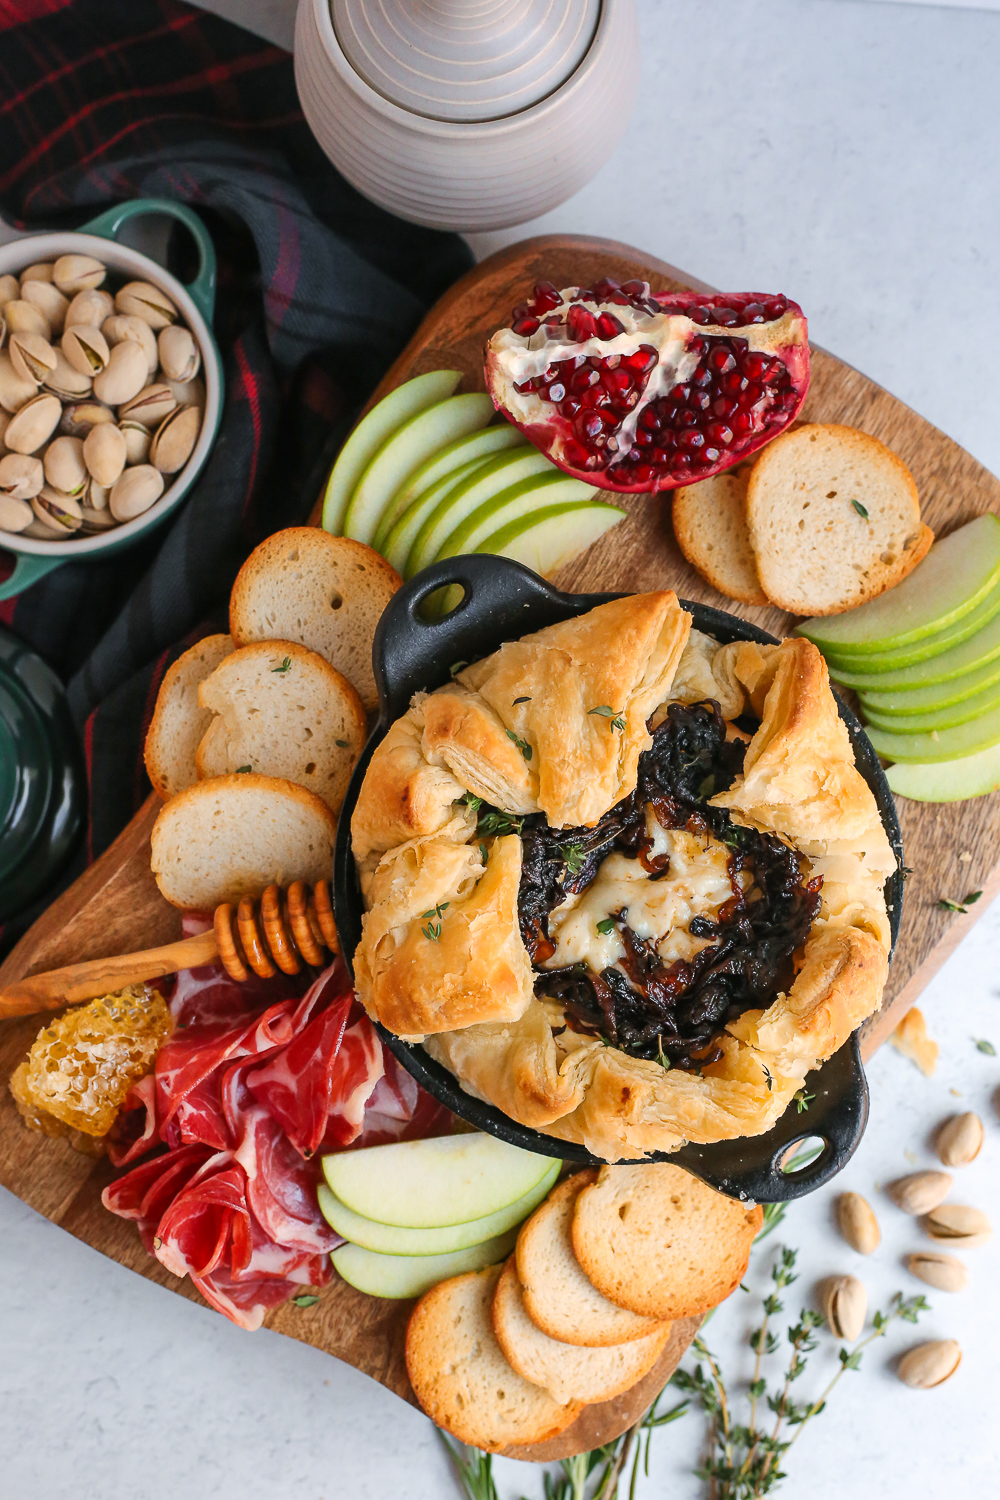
(605, 711)
(285, 665)
(982, 1045)
(573, 856)
(947, 904)
(802, 1100)
(522, 745)
(862, 512)
(606, 925)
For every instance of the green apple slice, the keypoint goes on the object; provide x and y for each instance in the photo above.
(959, 665)
(937, 695)
(939, 744)
(393, 1239)
(427, 1184)
(551, 538)
(409, 447)
(936, 718)
(929, 649)
(948, 780)
(524, 499)
(401, 1276)
(474, 445)
(396, 543)
(496, 475)
(957, 573)
(371, 432)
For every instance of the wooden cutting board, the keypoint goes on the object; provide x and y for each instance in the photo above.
(115, 906)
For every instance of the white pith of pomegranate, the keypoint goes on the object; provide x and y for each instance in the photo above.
(634, 390)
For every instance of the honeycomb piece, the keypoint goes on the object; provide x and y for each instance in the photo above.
(80, 1068)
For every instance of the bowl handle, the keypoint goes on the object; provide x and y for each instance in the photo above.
(202, 288)
(28, 569)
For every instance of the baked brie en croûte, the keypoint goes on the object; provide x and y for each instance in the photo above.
(608, 908)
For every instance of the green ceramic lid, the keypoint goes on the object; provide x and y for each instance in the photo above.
(42, 783)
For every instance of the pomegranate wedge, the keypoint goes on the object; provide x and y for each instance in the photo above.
(634, 390)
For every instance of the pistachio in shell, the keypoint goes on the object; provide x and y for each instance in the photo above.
(175, 439)
(86, 349)
(25, 317)
(14, 389)
(65, 382)
(39, 270)
(9, 289)
(78, 273)
(140, 299)
(33, 423)
(4, 424)
(946, 1272)
(104, 453)
(845, 1305)
(137, 440)
(96, 521)
(120, 326)
(90, 307)
(930, 1364)
(65, 469)
(61, 513)
(124, 375)
(98, 496)
(960, 1139)
(180, 357)
(21, 477)
(79, 417)
(187, 392)
(49, 300)
(15, 515)
(32, 356)
(151, 406)
(39, 533)
(135, 491)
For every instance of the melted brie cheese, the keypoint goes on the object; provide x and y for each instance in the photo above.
(659, 911)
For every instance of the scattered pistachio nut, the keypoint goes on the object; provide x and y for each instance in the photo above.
(14, 389)
(39, 270)
(960, 1139)
(180, 358)
(81, 416)
(175, 439)
(65, 382)
(858, 1224)
(946, 1272)
(86, 349)
(150, 406)
(9, 289)
(21, 477)
(137, 440)
(135, 491)
(140, 299)
(78, 273)
(124, 375)
(90, 307)
(959, 1224)
(33, 423)
(15, 515)
(920, 1191)
(25, 317)
(49, 300)
(929, 1364)
(119, 326)
(32, 356)
(845, 1305)
(61, 513)
(104, 453)
(65, 469)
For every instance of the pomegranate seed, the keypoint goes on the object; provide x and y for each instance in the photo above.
(608, 326)
(642, 360)
(700, 401)
(711, 455)
(649, 418)
(642, 439)
(754, 393)
(692, 440)
(702, 376)
(723, 406)
(753, 313)
(525, 327)
(582, 380)
(721, 360)
(756, 365)
(545, 296)
(635, 288)
(776, 307)
(742, 423)
(733, 382)
(685, 419)
(580, 324)
(589, 424)
(643, 473)
(570, 408)
(718, 432)
(556, 391)
(725, 317)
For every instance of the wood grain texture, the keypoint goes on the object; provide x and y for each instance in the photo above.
(115, 906)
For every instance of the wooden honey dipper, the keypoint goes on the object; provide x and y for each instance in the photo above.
(277, 932)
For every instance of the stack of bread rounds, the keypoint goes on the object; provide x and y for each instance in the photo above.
(584, 1308)
(255, 734)
(825, 518)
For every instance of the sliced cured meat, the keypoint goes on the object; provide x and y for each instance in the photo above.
(296, 1082)
(400, 1110)
(208, 1223)
(281, 1187)
(358, 1068)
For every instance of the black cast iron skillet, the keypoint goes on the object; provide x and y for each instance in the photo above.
(503, 601)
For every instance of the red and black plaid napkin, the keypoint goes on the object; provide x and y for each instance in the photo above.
(103, 100)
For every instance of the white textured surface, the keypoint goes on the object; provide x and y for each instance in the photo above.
(859, 175)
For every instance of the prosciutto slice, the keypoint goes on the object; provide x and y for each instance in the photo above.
(253, 1085)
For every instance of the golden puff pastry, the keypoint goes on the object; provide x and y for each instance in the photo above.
(469, 991)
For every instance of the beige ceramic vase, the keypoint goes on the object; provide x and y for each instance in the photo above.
(467, 114)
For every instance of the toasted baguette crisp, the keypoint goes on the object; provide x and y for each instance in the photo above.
(568, 1372)
(461, 1378)
(178, 723)
(710, 524)
(834, 519)
(659, 1242)
(284, 712)
(558, 1298)
(325, 592)
(230, 837)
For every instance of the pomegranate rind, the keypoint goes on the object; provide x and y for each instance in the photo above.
(654, 429)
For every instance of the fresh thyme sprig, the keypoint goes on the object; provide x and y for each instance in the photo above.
(432, 932)
(605, 711)
(947, 904)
